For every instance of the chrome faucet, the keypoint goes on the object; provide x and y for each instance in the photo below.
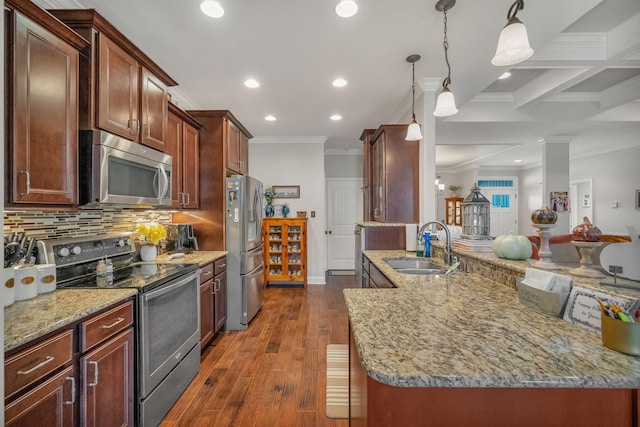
(447, 251)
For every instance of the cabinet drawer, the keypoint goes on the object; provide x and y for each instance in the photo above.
(105, 325)
(36, 362)
(206, 273)
(221, 265)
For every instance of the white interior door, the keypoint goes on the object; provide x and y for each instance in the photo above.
(502, 193)
(344, 208)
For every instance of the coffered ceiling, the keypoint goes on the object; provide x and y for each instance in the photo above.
(581, 85)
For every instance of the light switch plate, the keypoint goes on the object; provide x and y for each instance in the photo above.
(313, 214)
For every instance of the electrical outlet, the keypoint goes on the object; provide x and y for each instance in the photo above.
(615, 269)
(313, 214)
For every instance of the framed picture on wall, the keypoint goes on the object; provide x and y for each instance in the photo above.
(559, 201)
(287, 191)
(586, 200)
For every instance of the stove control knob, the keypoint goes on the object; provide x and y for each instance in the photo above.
(76, 250)
(63, 252)
(120, 243)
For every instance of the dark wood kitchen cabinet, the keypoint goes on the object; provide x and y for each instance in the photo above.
(123, 92)
(82, 374)
(106, 368)
(41, 107)
(183, 144)
(394, 176)
(209, 220)
(213, 300)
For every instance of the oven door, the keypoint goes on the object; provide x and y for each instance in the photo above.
(169, 319)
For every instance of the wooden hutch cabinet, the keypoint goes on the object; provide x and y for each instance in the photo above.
(42, 125)
(123, 92)
(394, 176)
(453, 210)
(285, 250)
(183, 144)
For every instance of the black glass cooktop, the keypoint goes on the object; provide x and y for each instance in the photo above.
(143, 275)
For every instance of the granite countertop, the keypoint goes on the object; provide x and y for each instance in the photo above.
(464, 330)
(27, 320)
(198, 257)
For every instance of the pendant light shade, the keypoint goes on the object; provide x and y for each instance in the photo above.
(513, 43)
(413, 131)
(446, 104)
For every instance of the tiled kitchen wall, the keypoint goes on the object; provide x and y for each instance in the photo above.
(49, 225)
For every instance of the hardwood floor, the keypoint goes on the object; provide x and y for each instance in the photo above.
(274, 373)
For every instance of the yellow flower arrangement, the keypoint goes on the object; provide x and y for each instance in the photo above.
(152, 232)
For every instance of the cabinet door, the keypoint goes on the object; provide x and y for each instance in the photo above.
(153, 111)
(232, 146)
(44, 123)
(107, 381)
(377, 179)
(190, 166)
(206, 312)
(51, 403)
(273, 248)
(220, 301)
(118, 94)
(174, 149)
(244, 153)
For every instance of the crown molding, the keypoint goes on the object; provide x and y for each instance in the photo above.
(182, 100)
(288, 140)
(343, 152)
(556, 139)
(430, 84)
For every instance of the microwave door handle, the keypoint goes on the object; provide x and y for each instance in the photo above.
(165, 182)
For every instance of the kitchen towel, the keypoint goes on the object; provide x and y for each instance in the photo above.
(411, 237)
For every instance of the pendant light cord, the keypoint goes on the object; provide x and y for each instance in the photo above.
(413, 91)
(445, 44)
(515, 7)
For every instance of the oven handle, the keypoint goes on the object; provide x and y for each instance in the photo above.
(166, 289)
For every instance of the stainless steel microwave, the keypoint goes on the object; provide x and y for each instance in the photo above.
(116, 171)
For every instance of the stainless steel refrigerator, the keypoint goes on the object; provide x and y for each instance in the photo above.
(245, 258)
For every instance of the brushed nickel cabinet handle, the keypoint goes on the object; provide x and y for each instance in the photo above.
(73, 391)
(38, 366)
(120, 320)
(27, 182)
(95, 382)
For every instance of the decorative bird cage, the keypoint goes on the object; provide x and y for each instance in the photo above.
(475, 216)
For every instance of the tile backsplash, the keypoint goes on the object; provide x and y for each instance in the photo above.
(57, 224)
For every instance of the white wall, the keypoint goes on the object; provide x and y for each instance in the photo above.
(297, 163)
(343, 164)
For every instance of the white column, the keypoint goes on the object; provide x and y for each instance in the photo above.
(555, 176)
(428, 191)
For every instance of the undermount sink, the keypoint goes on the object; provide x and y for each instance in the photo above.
(414, 266)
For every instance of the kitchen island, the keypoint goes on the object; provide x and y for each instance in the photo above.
(461, 350)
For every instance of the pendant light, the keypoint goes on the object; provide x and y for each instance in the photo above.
(445, 104)
(413, 132)
(513, 43)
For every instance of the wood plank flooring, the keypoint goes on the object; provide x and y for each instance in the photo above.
(274, 373)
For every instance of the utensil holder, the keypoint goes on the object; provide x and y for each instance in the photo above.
(621, 336)
(549, 303)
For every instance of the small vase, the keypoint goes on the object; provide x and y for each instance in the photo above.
(285, 211)
(269, 210)
(148, 252)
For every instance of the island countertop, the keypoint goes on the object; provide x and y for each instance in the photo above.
(468, 331)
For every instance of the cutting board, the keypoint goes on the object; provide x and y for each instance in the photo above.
(626, 255)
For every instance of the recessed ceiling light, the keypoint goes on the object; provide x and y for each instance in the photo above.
(212, 8)
(339, 82)
(270, 118)
(517, 161)
(251, 83)
(336, 117)
(505, 75)
(346, 8)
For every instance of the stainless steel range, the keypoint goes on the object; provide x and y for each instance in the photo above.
(167, 326)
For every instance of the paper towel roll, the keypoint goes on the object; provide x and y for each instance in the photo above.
(411, 232)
